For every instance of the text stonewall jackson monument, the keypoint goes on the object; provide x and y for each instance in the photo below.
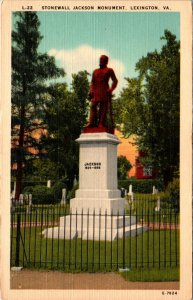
(97, 211)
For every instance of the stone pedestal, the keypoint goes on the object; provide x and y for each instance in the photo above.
(97, 211)
(98, 175)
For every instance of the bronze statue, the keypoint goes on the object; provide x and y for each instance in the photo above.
(100, 95)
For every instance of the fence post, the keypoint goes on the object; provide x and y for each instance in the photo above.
(18, 240)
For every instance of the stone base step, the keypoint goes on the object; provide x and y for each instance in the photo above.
(97, 221)
(94, 234)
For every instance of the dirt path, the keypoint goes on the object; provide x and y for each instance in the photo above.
(27, 279)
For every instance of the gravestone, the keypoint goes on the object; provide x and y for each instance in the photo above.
(155, 191)
(130, 189)
(131, 194)
(21, 199)
(157, 208)
(30, 199)
(13, 191)
(29, 207)
(63, 200)
(49, 183)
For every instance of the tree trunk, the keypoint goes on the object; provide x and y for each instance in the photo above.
(167, 176)
(19, 174)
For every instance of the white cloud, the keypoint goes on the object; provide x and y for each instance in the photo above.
(85, 57)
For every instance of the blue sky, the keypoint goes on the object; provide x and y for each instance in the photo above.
(77, 39)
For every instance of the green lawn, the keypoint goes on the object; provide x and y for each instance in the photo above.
(152, 275)
(153, 249)
(151, 256)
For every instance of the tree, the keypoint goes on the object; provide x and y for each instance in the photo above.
(41, 169)
(65, 116)
(30, 72)
(80, 89)
(123, 167)
(149, 107)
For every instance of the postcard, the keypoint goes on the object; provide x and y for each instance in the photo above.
(96, 156)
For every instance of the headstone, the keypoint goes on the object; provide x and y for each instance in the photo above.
(14, 190)
(49, 183)
(130, 189)
(157, 208)
(155, 191)
(29, 208)
(21, 198)
(130, 198)
(63, 200)
(131, 194)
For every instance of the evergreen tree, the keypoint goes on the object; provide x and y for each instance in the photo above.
(30, 72)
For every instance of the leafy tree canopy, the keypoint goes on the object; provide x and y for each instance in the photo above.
(149, 106)
(65, 116)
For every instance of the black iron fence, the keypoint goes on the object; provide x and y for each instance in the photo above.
(52, 237)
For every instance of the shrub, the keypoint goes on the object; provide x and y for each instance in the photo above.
(40, 194)
(57, 190)
(171, 196)
(141, 185)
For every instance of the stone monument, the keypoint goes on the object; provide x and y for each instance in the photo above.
(97, 211)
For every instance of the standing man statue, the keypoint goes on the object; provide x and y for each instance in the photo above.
(100, 95)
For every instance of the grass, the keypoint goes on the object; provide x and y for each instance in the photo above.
(151, 256)
(152, 275)
(153, 249)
